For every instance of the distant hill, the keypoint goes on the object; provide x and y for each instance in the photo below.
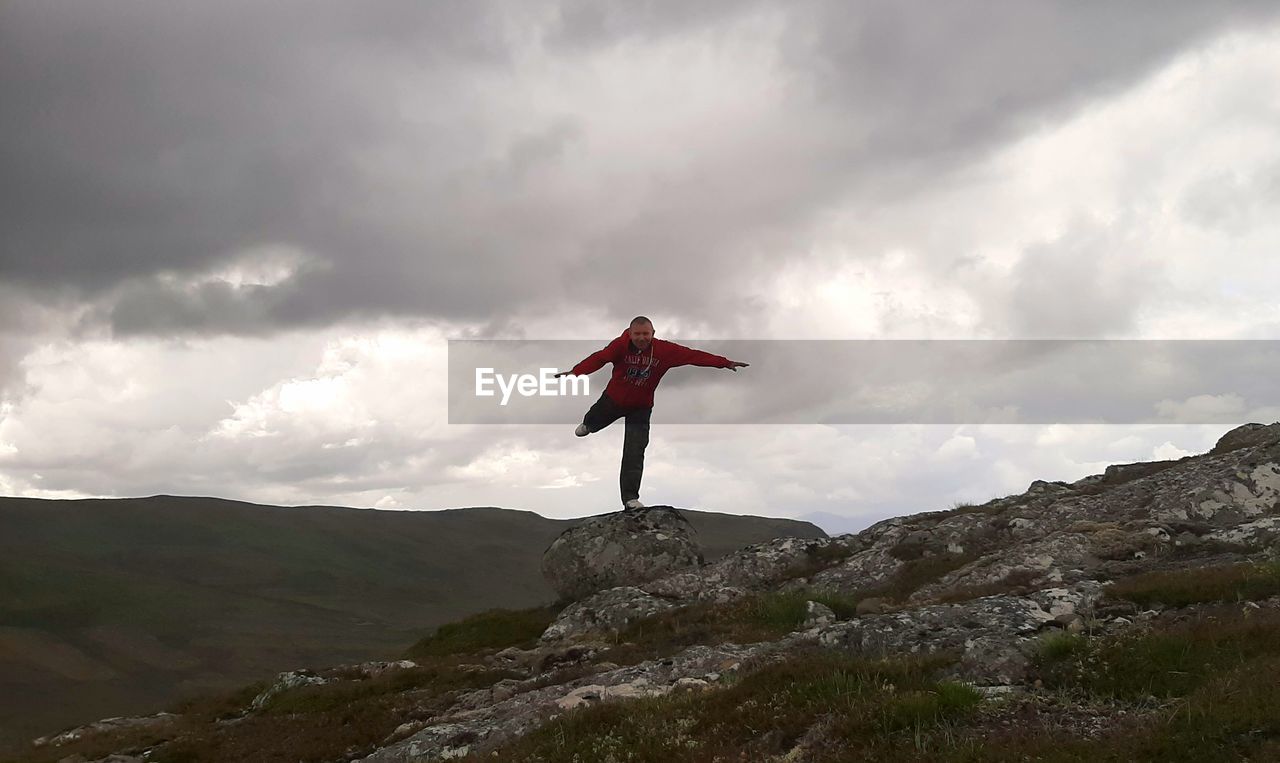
(119, 606)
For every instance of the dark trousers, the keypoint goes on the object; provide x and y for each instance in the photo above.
(636, 438)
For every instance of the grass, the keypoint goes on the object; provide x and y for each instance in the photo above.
(324, 698)
(1208, 689)
(1058, 646)
(915, 574)
(1164, 663)
(969, 507)
(1231, 716)
(490, 630)
(818, 559)
(307, 723)
(315, 722)
(1018, 581)
(757, 617)
(1235, 582)
(875, 707)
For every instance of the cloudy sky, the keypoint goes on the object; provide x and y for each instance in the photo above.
(237, 235)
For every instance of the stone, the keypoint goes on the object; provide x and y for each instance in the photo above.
(760, 566)
(1247, 436)
(288, 680)
(482, 729)
(621, 549)
(104, 726)
(991, 634)
(871, 606)
(689, 683)
(605, 612)
(817, 614)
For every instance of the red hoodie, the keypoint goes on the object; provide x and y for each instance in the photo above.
(636, 374)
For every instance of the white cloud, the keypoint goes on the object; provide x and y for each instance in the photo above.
(1151, 213)
(1167, 451)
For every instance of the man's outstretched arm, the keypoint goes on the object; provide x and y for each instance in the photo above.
(595, 361)
(687, 356)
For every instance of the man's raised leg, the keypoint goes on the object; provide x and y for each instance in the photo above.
(601, 414)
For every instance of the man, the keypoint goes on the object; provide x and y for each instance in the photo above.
(639, 361)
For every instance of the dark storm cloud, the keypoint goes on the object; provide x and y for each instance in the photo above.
(140, 138)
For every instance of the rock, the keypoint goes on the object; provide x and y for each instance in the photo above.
(871, 606)
(499, 692)
(1257, 534)
(1070, 622)
(1039, 487)
(689, 683)
(482, 729)
(602, 613)
(991, 634)
(759, 566)
(549, 658)
(621, 549)
(1247, 436)
(377, 668)
(817, 614)
(999, 690)
(288, 680)
(402, 731)
(103, 726)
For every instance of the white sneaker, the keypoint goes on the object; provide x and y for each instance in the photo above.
(634, 503)
(582, 430)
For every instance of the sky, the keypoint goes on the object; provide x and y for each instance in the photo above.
(237, 236)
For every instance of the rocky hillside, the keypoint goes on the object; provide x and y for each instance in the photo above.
(1130, 615)
(125, 606)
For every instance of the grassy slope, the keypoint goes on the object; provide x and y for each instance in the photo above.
(111, 607)
(1203, 683)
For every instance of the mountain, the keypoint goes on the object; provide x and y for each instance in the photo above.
(834, 524)
(1129, 615)
(119, 606)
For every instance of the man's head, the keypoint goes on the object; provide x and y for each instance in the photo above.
(641, 332)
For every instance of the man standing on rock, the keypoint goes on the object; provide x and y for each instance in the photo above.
(639, 361)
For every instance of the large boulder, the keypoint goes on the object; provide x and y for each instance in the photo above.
(621, 549)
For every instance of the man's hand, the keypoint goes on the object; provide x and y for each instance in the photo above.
(735, 365)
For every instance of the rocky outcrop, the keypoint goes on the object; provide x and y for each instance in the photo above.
(758, 567)
(1246, 436)
(105, 725)
(479, 726)
(621, 549)
(285, 681)
(991, 635)
(1094, 529)
(983, 584)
